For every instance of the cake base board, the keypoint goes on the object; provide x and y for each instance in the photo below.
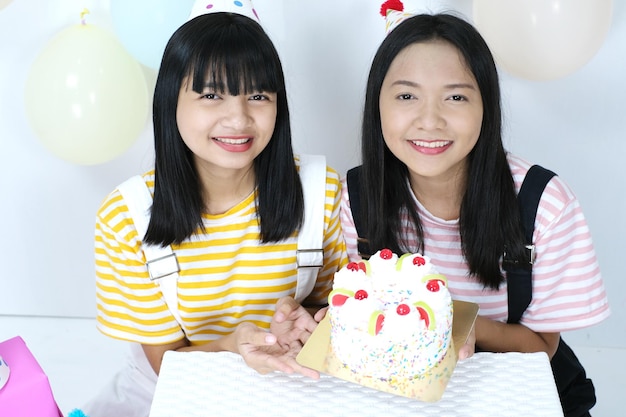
(316, 354)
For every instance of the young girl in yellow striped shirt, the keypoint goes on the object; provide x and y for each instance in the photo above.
(229, 202)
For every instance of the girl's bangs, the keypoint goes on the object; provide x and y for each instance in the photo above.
(236, 68)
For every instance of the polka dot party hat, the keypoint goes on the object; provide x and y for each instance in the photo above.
(394, 14)
(243, 7)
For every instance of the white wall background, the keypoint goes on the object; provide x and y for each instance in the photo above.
(574, 125)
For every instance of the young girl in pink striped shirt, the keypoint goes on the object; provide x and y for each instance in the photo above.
(436, 179)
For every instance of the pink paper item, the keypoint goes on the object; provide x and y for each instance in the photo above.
(27, 393)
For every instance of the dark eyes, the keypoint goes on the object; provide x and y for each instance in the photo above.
(254, 97)
(455, 97)
(259, 97)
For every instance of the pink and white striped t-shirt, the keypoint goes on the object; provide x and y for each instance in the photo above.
(568, 292)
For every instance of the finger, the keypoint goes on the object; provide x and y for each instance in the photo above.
(299, 338)
(466, 351)
(304, 337)
(289, 359)
(284, 307)
(254, 335)
(320, 314)
(265, 363)
(303, 370)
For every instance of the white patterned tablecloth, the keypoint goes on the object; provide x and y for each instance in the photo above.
(198, 384)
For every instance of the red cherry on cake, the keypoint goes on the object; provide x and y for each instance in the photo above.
(386, 254)
(419, 261)
(360, 295)
(403, 309)
(433, 285)
(354, 266)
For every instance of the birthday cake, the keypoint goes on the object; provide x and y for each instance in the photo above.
(391, 321)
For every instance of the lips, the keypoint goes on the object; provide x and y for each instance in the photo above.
(233, 141)
(431, 144)
(431, 147)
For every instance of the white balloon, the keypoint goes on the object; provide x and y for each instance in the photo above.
(543, 39)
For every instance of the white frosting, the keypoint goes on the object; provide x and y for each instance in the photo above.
(405, 346)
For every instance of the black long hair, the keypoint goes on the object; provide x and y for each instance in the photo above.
(489, 217)
(235, 52)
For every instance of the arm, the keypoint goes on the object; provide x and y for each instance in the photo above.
(495, 336)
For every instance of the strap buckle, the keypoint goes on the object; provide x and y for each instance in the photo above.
(526, 263)
(310, 258)
(530, 249)
(162, 267)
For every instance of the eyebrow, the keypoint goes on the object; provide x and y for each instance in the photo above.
(448, 86)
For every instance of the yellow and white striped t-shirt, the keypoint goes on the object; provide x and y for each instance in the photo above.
(226, 275)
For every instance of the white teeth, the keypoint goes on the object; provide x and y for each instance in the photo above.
(233, 141)
(435, 144)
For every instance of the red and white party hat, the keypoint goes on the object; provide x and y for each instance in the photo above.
(243, 7)
(394, 14)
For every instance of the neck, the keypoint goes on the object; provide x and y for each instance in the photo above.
(223, 190)
(441, 197)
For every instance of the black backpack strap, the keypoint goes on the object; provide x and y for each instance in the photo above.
(576, 391)
(353, 180)
(519, 273)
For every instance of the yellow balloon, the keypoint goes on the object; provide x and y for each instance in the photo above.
(4, 3)
(86, 97)
(543, 39)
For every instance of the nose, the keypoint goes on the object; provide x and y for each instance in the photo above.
(236, 113)
(430, 115)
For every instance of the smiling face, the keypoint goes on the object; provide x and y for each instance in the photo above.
(225, 132)
(431, 110)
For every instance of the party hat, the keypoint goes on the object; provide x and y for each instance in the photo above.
(394, 14)
(243, 7)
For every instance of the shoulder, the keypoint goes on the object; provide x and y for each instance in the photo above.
(316, 165)
(558, 202)
(557, 192)
(114, 206)
(519, 168)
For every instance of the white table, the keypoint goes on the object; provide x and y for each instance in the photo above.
(197, 384)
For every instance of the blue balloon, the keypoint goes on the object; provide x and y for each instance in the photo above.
(145, 26)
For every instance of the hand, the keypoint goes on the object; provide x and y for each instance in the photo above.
(468, 349)
(261, 352)
(292, 324)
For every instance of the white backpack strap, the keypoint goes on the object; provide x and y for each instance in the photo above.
(310, 254)
(161, 261)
